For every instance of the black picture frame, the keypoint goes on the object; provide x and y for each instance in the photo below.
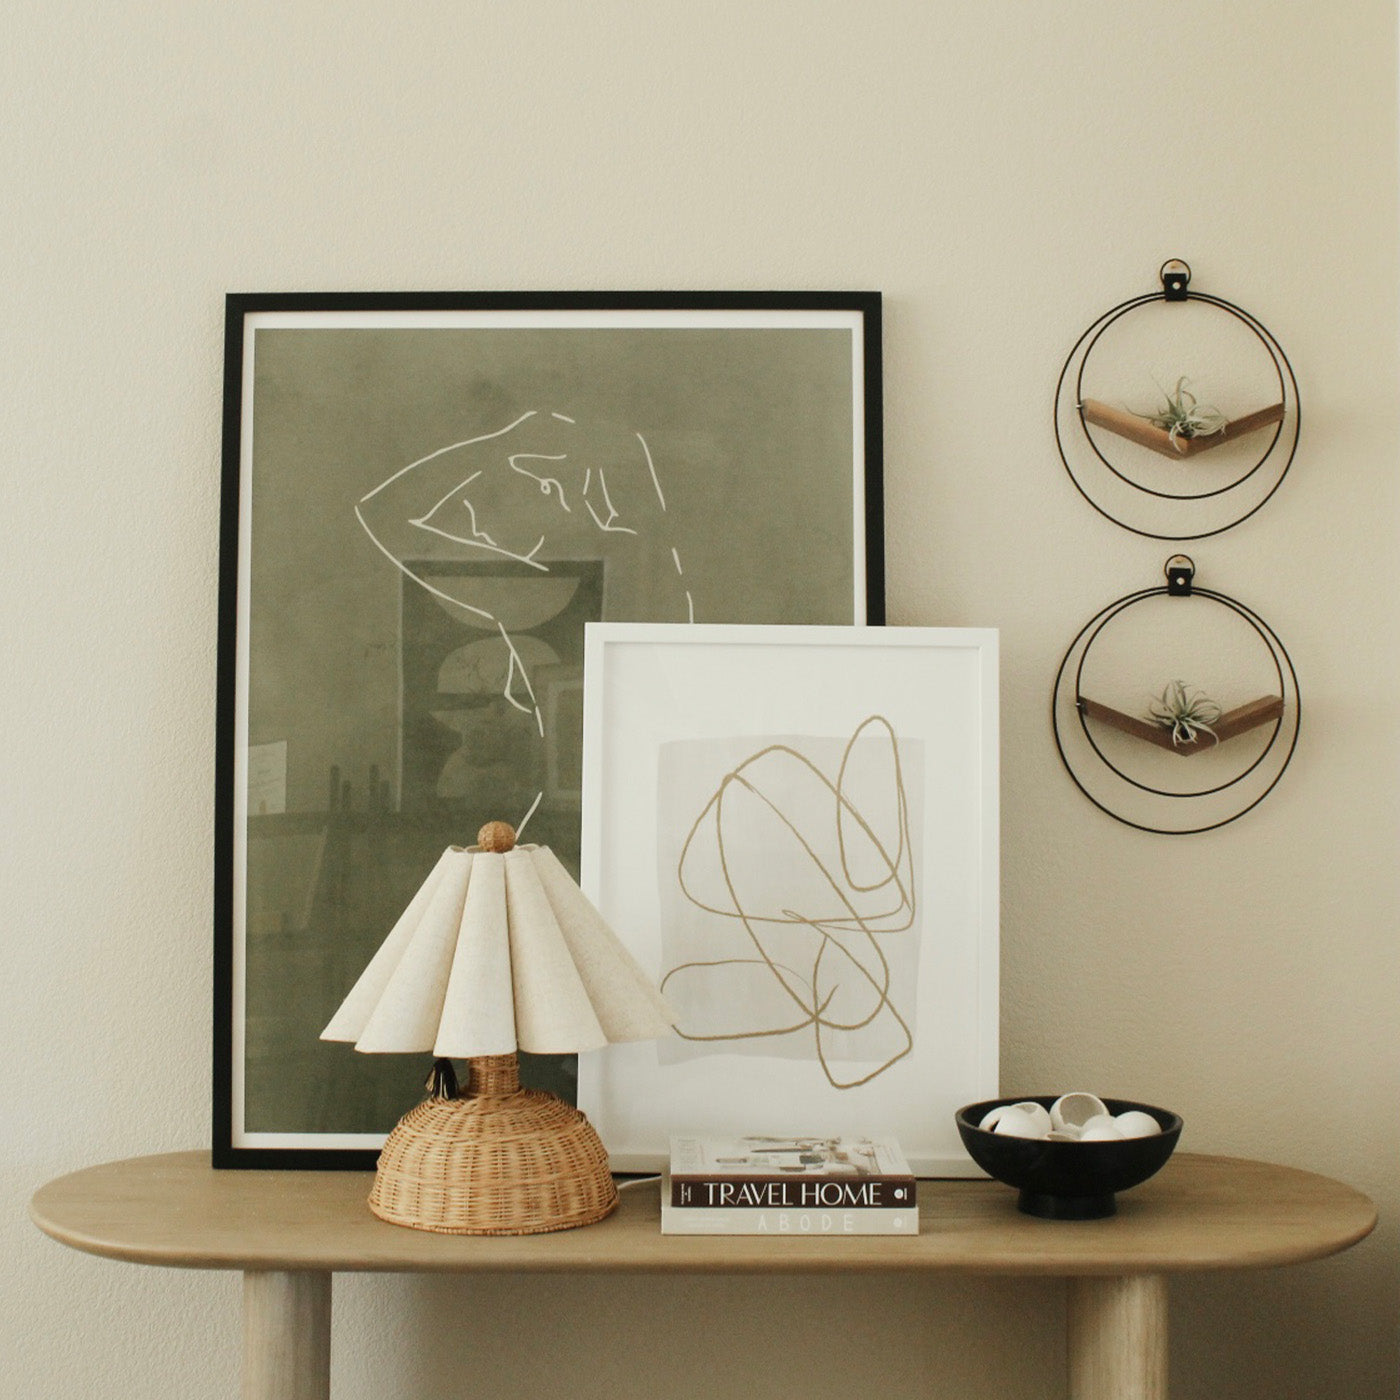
(741, 403)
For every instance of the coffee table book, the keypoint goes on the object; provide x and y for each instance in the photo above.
(788, 1186)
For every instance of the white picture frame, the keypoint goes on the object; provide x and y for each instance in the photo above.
(830, 976)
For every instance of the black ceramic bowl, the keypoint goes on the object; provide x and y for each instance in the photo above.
(1068, 1180)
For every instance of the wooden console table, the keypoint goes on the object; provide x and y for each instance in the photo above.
(290, 1231)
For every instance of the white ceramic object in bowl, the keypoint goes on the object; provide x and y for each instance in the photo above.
(1073, 1111)
(1135, 1123)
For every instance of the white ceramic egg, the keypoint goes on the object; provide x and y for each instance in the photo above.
(1135, 1123)
(1104, 1129)
(1037, 1112)
(1075, 1110)
(1016, 1122)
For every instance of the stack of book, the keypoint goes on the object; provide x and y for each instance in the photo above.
(788, 1186)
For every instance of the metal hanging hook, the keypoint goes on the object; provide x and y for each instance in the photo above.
(1175, 275)
(1180, 569)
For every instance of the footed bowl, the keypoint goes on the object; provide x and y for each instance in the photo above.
(1068, 1180)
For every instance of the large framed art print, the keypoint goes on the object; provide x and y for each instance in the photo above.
(426, 497)
(795, 832)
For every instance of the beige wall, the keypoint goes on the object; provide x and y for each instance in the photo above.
(1002, 171)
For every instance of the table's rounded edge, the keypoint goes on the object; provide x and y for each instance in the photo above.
(734, 1255)
(75, 1238)
(168, 1258)
(1367, 1216)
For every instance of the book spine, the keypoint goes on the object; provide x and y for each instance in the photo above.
(793, 1193)
(676, 1221)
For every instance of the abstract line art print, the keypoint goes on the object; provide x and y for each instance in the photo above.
(427, 498)
(790, 902)
(794, 830)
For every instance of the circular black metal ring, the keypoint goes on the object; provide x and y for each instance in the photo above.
(1116, 610)
(1287, 675)
(1248, 321)
(1288, 383)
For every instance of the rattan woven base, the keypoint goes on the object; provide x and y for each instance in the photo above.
(500, 1161)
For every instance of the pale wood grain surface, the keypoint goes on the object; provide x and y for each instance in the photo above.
(286, 1336)
(1118, 1338)
(1198, 1213)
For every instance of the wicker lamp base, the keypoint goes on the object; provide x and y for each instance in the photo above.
(499, 1160)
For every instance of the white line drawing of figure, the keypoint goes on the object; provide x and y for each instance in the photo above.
(541, 489)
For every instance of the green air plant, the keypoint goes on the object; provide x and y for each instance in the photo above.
(1185, 711)
(1184, 417)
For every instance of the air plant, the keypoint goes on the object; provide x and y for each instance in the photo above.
(1184, 417)
(1187, 712)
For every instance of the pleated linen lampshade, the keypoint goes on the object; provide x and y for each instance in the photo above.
(499, 951)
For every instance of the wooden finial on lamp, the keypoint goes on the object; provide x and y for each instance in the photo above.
(496, 837)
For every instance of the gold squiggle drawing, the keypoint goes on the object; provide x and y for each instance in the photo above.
(843, 935)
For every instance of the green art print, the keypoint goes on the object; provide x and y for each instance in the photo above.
(426, 497)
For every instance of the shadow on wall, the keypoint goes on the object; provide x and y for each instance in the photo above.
(719, 1338)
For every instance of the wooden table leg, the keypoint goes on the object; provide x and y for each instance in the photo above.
(1118, 1338)
(286, 1336)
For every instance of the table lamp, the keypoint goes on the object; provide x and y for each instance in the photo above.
(499, 951)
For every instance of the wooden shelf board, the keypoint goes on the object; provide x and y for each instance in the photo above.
(1231, 725)
(1145, 434)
